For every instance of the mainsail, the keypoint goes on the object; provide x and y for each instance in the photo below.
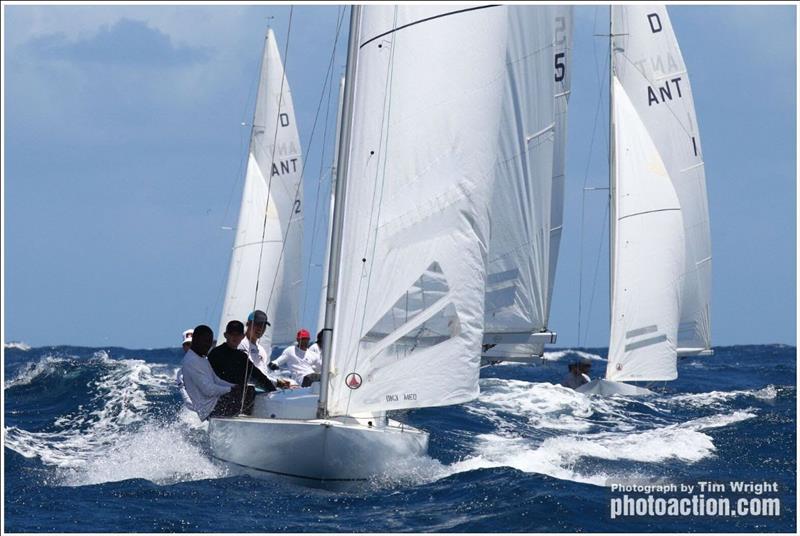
(266, 264)
(421, 159)
(649, 65)
(528, 196)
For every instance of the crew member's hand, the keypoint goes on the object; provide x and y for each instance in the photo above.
(283, 384)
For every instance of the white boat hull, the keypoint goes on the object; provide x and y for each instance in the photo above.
(317, 451)
(608, 388)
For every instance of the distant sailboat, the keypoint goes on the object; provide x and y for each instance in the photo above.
(660, 236)
(404, 319)
(266, 262)
(528, 194)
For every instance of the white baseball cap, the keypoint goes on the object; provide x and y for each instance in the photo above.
(187, 336)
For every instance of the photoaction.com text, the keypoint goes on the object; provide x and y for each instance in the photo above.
(695, 502)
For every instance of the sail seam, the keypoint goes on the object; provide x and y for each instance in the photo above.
(368, 41)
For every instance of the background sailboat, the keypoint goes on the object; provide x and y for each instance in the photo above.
(266, 263)
(528, 195)
(661, 258)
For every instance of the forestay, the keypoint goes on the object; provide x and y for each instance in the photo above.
(267, 249)
(409, 318)
(527, 203)
(650, 67)
(649, 246)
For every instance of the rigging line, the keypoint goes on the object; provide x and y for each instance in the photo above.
(328, 77)
(601, 81)
(596, 269)
(317, 198)
(382, 142)
(272, 158)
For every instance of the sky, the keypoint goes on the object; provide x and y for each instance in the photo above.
(124, 150)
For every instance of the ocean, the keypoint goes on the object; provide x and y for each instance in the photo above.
(96, 440)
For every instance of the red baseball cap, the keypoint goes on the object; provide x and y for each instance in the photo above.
(303, 334)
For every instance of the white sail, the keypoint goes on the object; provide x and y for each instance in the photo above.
(649, 250)
(528, 197)
(562, 61)
(649, 65)
(409, 318)
(519, 250)
(266, 264)
(331, 204)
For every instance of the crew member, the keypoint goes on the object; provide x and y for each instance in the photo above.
(294, 361)
(202, 386)
(256, 326)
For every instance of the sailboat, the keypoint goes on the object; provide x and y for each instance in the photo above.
(660, 235)
(404, 305)
(266, 262)
(528, 196)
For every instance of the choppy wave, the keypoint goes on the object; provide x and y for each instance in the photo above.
(118, 432)
(548, 429)
(129, 427)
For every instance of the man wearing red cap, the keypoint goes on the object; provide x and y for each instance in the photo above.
(293, 360)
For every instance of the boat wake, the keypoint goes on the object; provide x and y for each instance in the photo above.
(551, 430)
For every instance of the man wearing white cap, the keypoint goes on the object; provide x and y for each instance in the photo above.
(187, 340)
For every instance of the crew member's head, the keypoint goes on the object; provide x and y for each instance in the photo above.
(234, 333)
(256, 324)
(303, 339)
(187, 340)
(202, 339)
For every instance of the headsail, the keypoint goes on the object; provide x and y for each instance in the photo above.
(649, 65)
(649, 246)
(266, 263)
(409, 318)
(527, 204)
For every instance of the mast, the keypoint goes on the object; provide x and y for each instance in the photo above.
(338, 209)
(612, 183)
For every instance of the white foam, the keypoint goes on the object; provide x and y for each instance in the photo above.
(31, 371)
(18, 345)
(718, 398)
(119, 439)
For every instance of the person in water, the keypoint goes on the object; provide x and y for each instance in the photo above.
(295, 360)
(203, 387)
(578, 374)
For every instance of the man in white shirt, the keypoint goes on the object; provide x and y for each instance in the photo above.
(256, 326)
(295, 360)
(202, 386)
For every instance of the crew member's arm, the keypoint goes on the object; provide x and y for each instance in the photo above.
(208, 383)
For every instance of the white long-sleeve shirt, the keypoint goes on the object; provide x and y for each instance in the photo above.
(296, 362)
(203, 387)
(258, 356)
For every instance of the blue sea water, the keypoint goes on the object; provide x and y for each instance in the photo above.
(96, 440)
